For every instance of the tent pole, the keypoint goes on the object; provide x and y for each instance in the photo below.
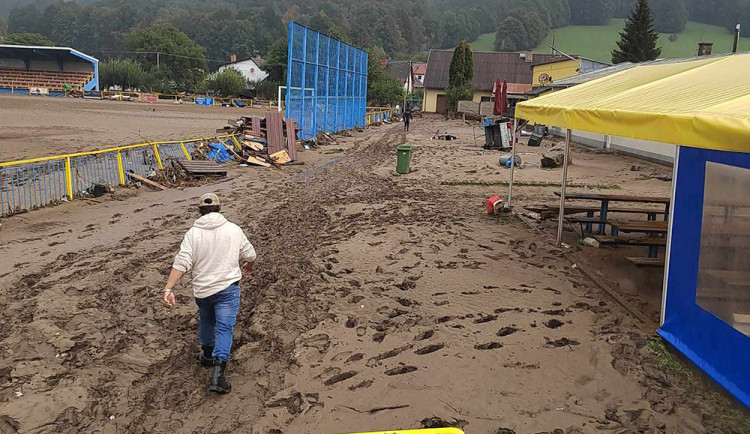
(512, 162)
(568, 135)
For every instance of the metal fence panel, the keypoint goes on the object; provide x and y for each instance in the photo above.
(326, 83)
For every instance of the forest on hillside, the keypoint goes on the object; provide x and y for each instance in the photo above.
(397, 28)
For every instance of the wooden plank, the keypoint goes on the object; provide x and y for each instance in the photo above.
(291, 138)
(631, 241)
(647, 262)
(275, 136)
(576, 209)
(616, 197)
(202, 167)
(660, 227)
(257, 162)
(147, 181)
(255, 124)
(281, 157)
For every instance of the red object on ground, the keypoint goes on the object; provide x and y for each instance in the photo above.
(501, 98)
(492, 203)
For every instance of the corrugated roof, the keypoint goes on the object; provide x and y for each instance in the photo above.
(400, 70)
(488, 67)
(419, 68)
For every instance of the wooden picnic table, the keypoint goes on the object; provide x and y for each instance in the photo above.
(647, 227)
(605, 199)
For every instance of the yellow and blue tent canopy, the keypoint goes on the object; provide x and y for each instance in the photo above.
(701, 102)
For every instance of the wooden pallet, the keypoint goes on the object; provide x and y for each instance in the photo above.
(201, 168)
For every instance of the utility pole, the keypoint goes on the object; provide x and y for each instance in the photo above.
(157, 59)
(737, 29)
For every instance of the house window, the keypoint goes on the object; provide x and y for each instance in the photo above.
(488, 99)
(724, 264)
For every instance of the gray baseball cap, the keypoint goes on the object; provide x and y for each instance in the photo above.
(209, 199)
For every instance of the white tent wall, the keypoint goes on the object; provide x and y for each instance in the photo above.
(653, 151)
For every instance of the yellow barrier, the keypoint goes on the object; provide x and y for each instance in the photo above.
(36, 182)
(419, 431)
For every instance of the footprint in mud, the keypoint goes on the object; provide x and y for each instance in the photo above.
(45, 253)
(136, 211)
(554, 323)
(340, 377)
(425, 335)
(554, 312)
(562, 342)
(400, 370)
(442, 303)
(361, 331)
(488, 346)
(319, 342)
(356, 299)
(378, 337)
(445, 318)
(363, 385)
(405, 302)
(356, 357)
(55, 243)
(429, 349)
(485, 318)
(351, 323)
(507, 331)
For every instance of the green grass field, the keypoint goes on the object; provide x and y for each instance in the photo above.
(597, 42)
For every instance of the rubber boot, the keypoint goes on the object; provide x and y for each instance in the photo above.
(219, 382)
(206, 356)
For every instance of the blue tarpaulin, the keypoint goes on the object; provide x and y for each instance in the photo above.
(694, 303)
(218, 153)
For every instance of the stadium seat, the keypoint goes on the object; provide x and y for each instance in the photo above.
(52, 80)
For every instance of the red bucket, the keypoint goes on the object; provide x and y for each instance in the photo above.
(492, 204)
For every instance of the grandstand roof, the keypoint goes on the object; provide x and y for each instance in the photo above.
(26, 51)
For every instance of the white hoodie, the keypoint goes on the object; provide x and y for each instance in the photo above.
(212, 248)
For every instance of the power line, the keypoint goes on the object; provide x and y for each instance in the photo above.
(160, 53)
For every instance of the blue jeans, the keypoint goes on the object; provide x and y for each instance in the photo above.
(218, 315)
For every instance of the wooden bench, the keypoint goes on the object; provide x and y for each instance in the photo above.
(647, 262)
(653, 243)
(550, 211)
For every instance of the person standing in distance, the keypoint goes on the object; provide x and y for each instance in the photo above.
(212, 249)
(407, 117)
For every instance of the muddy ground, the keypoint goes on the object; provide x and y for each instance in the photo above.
(379, 302)
(40, 126)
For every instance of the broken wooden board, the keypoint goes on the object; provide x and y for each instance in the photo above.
(275, 135)
(291, 138)
(281, 157)
(255, 146)
(257, 162)
(199, 168)
(147, 181)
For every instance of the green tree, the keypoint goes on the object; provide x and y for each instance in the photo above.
(227, 82)
(26, 39)
(460, 76)
(24, 19)
(60, 23)
(125, 73)
(180, 60)
(670, 16)
(382, 89)
(510, 35)
(591, 12)
(638, 38)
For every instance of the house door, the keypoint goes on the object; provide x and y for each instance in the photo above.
(442, 104)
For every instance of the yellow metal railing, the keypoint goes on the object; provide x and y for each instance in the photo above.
(379, 114)
(37, 182)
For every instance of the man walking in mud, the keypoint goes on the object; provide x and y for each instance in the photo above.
(212, 249)
(407, 117)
